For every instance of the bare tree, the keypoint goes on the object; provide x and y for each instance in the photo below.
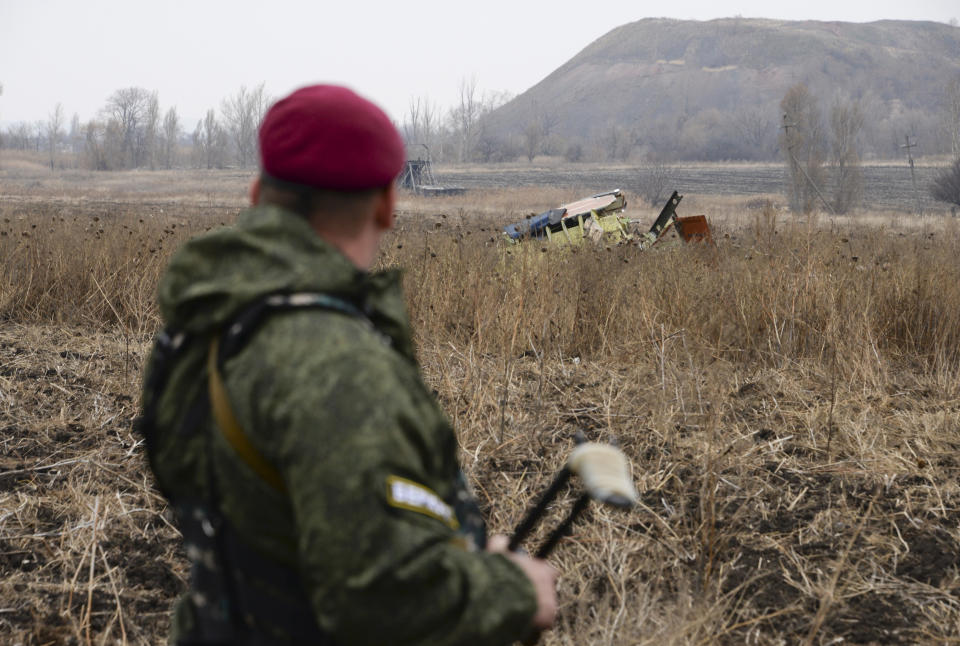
(20, 136)
(652, 180)
(261, 104)
(552, 143)
(533, 136)
(617, 142)
(104, 145)
(171, 135)
(242, 114)
(150, 133)
(946, 185)
(429, 122)
(53, 130)
(802, 141)
(421, 124)
(93, 140)
(465, 118)
(757, 131)
(952, 117)
(210, 141)
(573, 152)
(128, 107)
(536, 135)
(76, 137)
(846, 121)
(412, 127)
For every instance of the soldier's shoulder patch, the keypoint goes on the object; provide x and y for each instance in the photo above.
(413, 496)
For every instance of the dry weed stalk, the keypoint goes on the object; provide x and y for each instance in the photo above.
(762, 392)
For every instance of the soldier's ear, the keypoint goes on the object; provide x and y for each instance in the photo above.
(386, 203)
(255, 192)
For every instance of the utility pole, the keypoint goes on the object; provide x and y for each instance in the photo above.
(913, 175)
(786, 129)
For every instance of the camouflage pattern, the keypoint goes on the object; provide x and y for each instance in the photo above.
(338, 412)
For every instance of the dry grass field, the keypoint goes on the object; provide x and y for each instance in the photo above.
(790, 402)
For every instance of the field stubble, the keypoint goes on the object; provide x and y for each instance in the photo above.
(790, 402)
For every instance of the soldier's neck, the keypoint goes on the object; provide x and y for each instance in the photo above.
(359, 248)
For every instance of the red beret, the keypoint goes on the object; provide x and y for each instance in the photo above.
(329, 137)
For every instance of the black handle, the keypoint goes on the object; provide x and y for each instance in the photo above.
(533, 516)
(563, 528)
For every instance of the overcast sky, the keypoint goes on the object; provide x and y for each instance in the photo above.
(195, 52)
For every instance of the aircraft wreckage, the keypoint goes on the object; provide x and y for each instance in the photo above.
(599, 218)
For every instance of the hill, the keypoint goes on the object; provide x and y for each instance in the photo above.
(711, 90)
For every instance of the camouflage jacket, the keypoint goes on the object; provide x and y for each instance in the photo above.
(367, 457)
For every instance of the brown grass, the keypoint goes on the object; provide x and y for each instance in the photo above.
(790, 402)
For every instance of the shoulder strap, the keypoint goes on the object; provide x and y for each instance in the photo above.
(230, 427)
(170, 343)
(236, 334)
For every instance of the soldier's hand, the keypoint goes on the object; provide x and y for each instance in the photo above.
(541, 574)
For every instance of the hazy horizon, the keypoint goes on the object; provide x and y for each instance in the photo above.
(194, 56)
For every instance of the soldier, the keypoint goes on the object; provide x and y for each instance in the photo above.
(312, 472)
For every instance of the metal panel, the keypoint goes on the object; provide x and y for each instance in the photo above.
(694, 228)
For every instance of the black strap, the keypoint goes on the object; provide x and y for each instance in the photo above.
(235, 336)
(237, 332)
(245, 570)
(235, 558)
(167, 346)
(170, 344)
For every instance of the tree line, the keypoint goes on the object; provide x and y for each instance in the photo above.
(811, 146)
(821, 148)
(458, 134)
(132, 131)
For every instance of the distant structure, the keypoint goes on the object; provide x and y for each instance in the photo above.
(417, 174)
